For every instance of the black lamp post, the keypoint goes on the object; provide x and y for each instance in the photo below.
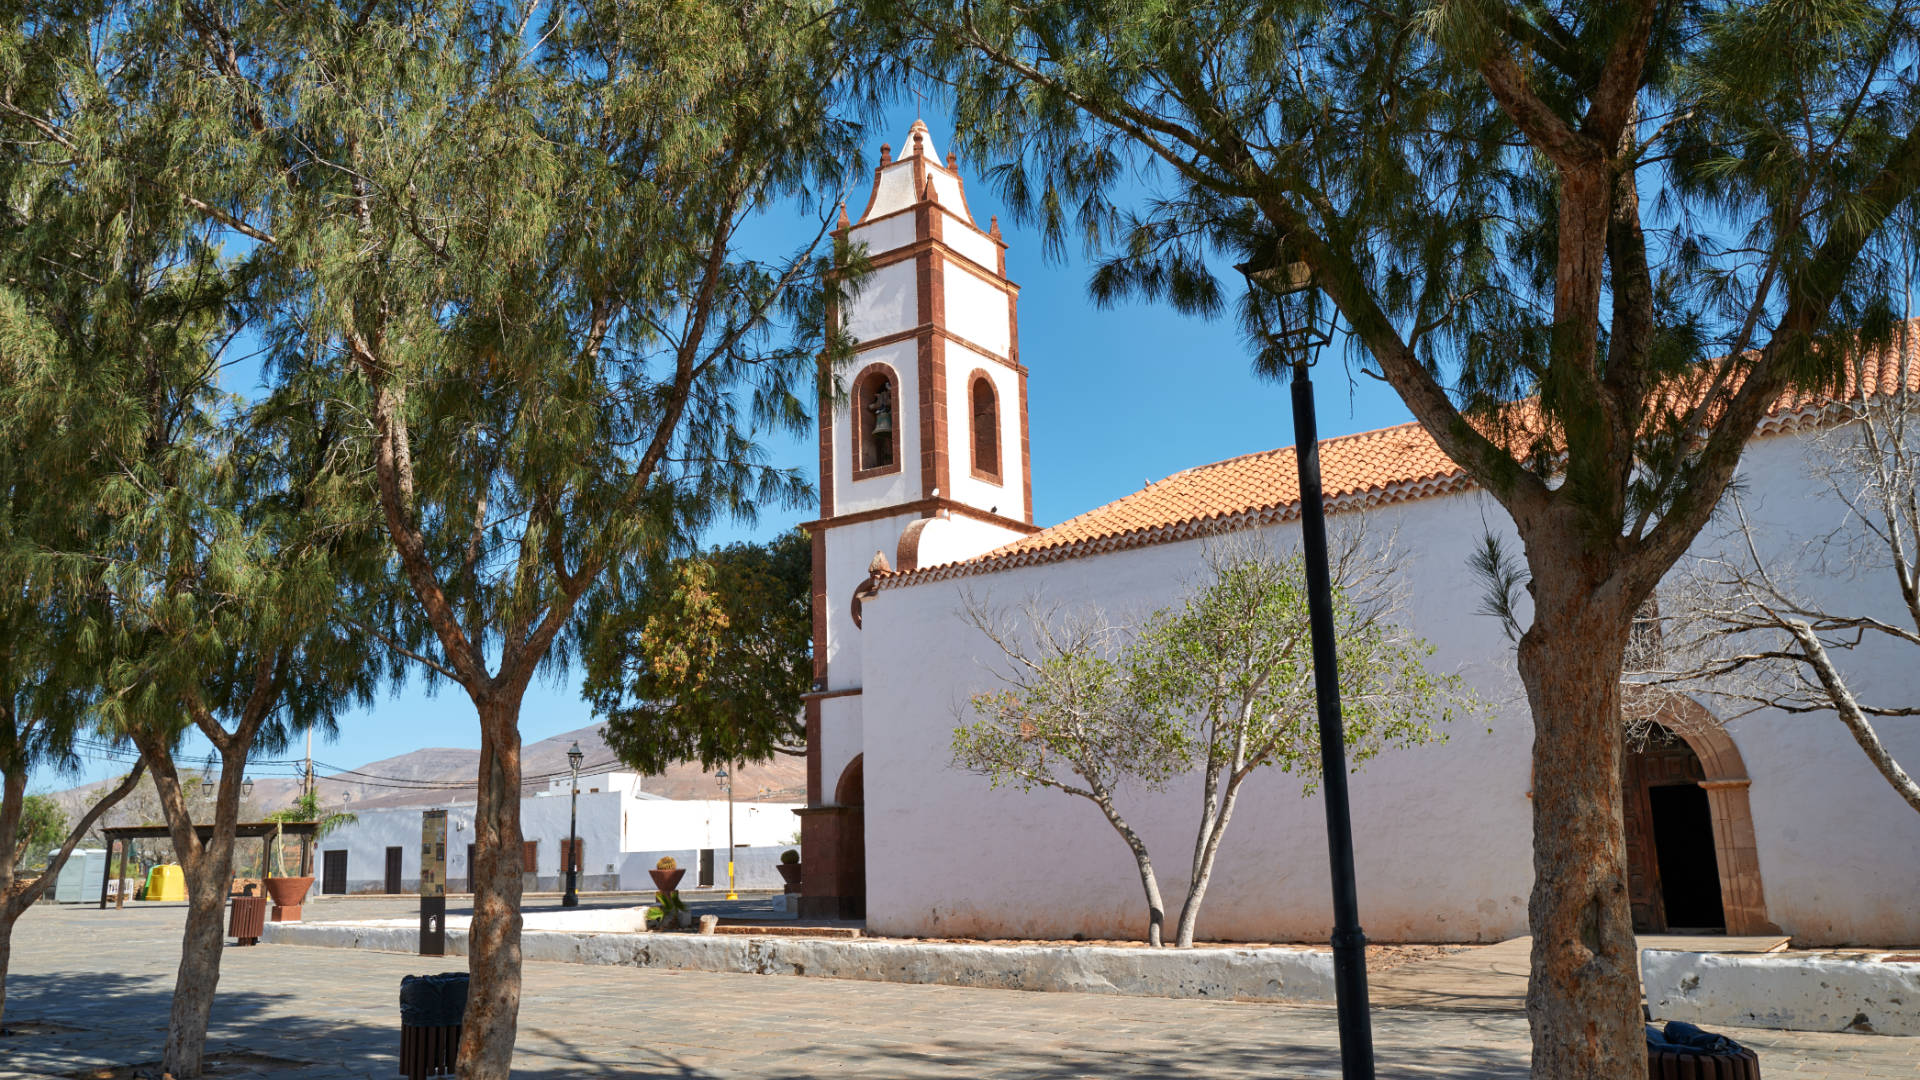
(572, 898)
(1298, 344)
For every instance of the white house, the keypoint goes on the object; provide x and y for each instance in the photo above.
(621, 830)
(924, 493)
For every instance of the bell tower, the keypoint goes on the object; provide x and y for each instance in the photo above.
(923, 460)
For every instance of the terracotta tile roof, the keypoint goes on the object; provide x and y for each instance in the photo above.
(1371, 468)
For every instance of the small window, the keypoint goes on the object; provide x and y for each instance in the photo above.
(877, 421)
(986, 429)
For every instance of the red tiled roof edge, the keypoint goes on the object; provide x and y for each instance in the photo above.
(1168, 532)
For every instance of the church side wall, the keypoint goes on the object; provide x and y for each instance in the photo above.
(1442, 830)
(1839, 850)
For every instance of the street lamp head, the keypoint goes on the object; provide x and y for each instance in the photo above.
(246, 787)
(574, 757)
(206, 787)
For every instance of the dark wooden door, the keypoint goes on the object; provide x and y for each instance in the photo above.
(469, 867)
(393, 869)
(1666, 860)
(1643, 868)
(705, 879)
(333, 873)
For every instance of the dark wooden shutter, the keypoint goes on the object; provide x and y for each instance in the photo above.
(530, 857)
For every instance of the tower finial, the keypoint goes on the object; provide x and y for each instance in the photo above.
(844, 222)
(886, 153)
(993, 226)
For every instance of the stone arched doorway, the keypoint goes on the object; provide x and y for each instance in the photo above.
(833, 878)
(851, 794)
(1692, 862)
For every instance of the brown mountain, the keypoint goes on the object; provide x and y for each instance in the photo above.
(438, 776)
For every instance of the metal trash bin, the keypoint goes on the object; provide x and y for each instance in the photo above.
(431, 1010)
(248, 919)
(1684, 1052)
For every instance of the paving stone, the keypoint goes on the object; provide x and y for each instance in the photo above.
(111, 974)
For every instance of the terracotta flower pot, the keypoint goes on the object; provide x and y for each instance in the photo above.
(667, 880)
(288, 893)
(789, 872)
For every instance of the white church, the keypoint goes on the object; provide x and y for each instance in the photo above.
(926, 493)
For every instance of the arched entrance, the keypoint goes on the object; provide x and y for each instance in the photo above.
(1692, 863)
(833, 878)
(851, 793)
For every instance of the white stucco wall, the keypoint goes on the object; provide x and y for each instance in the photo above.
(1444, 851)
(1839, 850)
(1443, 831)
(842, 736)
(850, 549)
(886, 303)
(976, 309)
(884, 234)
(963, 237)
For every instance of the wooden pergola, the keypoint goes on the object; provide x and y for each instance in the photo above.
(264, 830)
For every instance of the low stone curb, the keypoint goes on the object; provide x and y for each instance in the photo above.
(1297, 976)
(1819, 992)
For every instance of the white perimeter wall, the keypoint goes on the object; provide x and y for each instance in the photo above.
(1442, 832)
(647, 823)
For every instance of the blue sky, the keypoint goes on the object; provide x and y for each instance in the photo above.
(1116, 397)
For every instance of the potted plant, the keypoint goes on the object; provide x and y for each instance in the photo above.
(789, 867)
(666, 876)
(288, 893)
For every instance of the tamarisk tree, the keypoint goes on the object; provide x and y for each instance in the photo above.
(1541, 224)
(510, 240)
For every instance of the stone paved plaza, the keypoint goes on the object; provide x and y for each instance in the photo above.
(332, 1013)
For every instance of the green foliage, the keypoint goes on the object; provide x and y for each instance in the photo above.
(790, 857)
(705, 658)
(1571, 203)
(1067, 717)
(43, 827)
(1233, 665)
(306, 807)
(670, 903)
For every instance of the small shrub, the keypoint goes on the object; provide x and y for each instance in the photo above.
(789, 856)
(666, 863)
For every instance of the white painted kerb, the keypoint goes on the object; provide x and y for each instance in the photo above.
(1826, 992)
(1281, 975)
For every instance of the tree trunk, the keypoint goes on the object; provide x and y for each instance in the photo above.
(8, 916)
(493, 942)
(1583, 1001)
(1156, 908)
(209, 872)
(1213, 827)
(201, 947)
